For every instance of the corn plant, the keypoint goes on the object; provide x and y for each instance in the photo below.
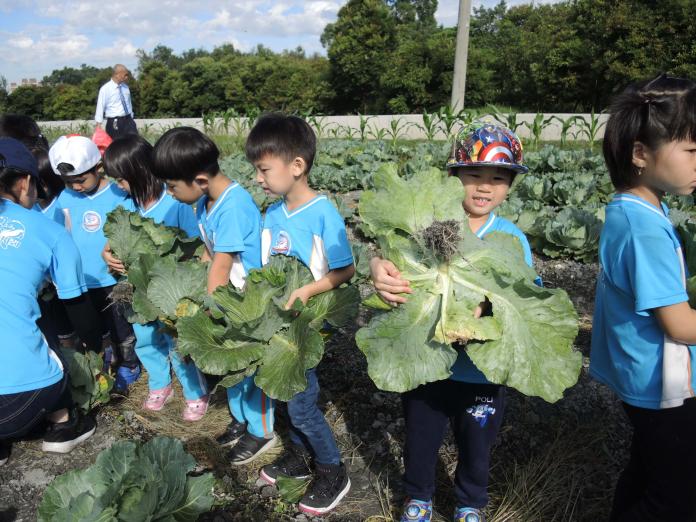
(319, 124)
(363, 126)
(208, 122)
(566, 125)
(350, 132)
(397, 129)
(429, 126)
(509, 119)
(376, 132)
(589, 128)
(447, 119)
(537, 126)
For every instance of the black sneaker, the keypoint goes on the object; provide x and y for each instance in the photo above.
(233, 433)
(293, 463)
(5, 450)
(63, 437)
(329, 486)
(250, 448)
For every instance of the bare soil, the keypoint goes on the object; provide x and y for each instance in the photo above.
(552, 462)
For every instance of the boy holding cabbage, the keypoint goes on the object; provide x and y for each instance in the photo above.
(486, 161)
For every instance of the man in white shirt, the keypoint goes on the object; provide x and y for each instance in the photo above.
(114, 104)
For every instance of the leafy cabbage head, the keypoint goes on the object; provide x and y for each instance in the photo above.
(527, 341)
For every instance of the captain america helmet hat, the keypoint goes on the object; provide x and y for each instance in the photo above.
(487, 146)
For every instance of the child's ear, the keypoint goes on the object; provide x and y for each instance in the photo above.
(202, 181)
(640, 155)
(298, 166)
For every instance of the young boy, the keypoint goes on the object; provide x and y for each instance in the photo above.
(306, 226)
(229, 223)
(84, 204)
(486, 162)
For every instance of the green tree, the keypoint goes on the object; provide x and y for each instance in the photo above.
(28, 100)
(359, 44)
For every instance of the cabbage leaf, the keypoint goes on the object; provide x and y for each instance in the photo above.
(420, 226)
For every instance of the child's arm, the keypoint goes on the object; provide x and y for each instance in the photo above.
(678, 321)
(219, 274)
(389, 284)
(333, 279)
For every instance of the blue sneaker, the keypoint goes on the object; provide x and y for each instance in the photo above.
(417, 511)
(467, 514)
(125, 377)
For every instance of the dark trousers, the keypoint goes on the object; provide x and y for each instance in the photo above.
(475, 413)
(120, 330)
(659, 482)
(308, 427)
(117, 127)
(20, 412)
(54, 322)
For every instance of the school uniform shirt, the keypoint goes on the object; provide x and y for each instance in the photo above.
(642, 268)
(464, 369)
(232, 225)
(85, 216)
(314, 233)
(172, 213)
(32, 247)
(51, 211)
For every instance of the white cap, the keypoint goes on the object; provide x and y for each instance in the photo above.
(78, 151)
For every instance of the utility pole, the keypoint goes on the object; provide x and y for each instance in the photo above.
(461, 55)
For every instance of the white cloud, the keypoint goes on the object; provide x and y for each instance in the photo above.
(102, 33)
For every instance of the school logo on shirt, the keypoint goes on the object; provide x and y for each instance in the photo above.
(11, 233)
(91, 221)
(282, 244)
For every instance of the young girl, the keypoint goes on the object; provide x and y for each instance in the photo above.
(129, 161)
(643, 326)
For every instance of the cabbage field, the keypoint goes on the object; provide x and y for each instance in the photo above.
(564, 436)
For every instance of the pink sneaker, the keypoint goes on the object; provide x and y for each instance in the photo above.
(156, 399)
(194, 410)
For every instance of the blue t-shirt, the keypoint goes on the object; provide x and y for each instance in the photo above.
(172, 213)
(642, 268)
(232, 225)
(84, 218)
(464, 369)
(52, 211)
(32, 247)
(314, 233)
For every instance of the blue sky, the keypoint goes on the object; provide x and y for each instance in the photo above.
(38, 36)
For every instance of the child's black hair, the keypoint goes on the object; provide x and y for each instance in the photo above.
(24, 129)
(52, 185)
(184, 152)
(287, 137)
(8, 178)
(651, 112)
(130, 158)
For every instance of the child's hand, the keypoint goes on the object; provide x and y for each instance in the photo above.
(114, 264)
(301, 293)
(388, 282)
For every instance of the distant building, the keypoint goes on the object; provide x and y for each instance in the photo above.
(24, 83)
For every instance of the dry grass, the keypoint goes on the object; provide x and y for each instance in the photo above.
(548, 485)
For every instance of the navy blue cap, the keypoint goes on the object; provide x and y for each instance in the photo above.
(14, 155)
